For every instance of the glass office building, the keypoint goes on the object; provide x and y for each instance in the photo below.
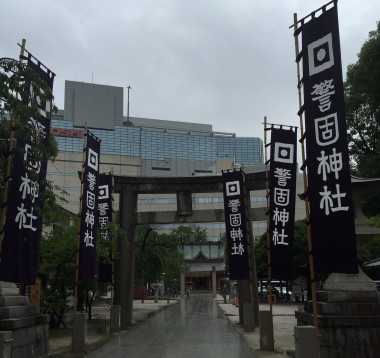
(144, 147)
(164, 151)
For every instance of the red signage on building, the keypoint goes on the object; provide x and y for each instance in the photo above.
(67, 132)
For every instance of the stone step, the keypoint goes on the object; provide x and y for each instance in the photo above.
(345, 336)
(353, 336)
(18, 311)
(13, 301)
(306, 318)
(9, 291)
(7, 284)
(350, 351)
(11, 324)
(345, 309)
(349, 296)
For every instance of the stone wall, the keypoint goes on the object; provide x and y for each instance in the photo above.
(349, 323)
(30, 329)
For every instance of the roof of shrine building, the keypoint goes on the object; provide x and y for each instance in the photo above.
(373, 263)
(201, 257)
(364, 180)
(205, 267)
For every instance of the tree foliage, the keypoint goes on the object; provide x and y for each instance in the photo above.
(371, 250)
(156, 254)
(17, 106)
(187, 234)
(362, 98)
(261, 256)
(300, 263)
(57, 265)
(18, 103)
(58, 250)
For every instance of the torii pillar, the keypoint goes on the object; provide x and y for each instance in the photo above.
(125, 267)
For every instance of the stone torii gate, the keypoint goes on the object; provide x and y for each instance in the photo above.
(129, 187)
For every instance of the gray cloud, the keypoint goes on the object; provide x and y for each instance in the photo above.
(227, 63)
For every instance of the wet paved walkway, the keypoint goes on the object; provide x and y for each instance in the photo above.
(195, 327)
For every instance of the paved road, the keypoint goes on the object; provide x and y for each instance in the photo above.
(193, 328)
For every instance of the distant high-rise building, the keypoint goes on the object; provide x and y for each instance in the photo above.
(145, 147)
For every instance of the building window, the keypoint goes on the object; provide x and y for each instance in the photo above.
(161, 168)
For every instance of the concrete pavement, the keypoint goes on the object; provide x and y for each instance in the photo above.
(283, 327)
(193, 328)
(98, 330)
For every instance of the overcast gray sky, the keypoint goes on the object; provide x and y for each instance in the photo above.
(227, 63)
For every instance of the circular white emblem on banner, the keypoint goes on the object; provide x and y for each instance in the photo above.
(93, 159)
(103, 192)
(283, 152)
(232, 188)
(320, 55)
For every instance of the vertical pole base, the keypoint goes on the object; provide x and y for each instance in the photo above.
(115, 318)
(248, 317)
(79, 338)
(306, 342)
(266, 331)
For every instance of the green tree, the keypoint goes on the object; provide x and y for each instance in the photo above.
(58, 250)
(261, 257)
(362, 99)
(368, 252)
(18, 104)
(147, 260)
(90, 291)
(371, 250)
(194, 233)
(223, 240)
(300, 250)
(156, 254)
(57, 265)
(373, 221)
(300, 263)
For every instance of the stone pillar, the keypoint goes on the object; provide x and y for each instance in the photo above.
(248, 317)
(125, 268)
(156, 295)
(213, 278)
(244, 296)
(162, 287)
(306, 342)
(182, 284)
(115, 318)
(79, 337)
(266, 331)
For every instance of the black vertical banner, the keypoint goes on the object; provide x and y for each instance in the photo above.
(105, 216)
(89, 213)
(236, 225)
(329, 178)
(282, 184)
(23, 226)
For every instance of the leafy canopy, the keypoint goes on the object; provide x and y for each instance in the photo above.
(156, 254)
(17, 105)
(194, 233)
(362, 99)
